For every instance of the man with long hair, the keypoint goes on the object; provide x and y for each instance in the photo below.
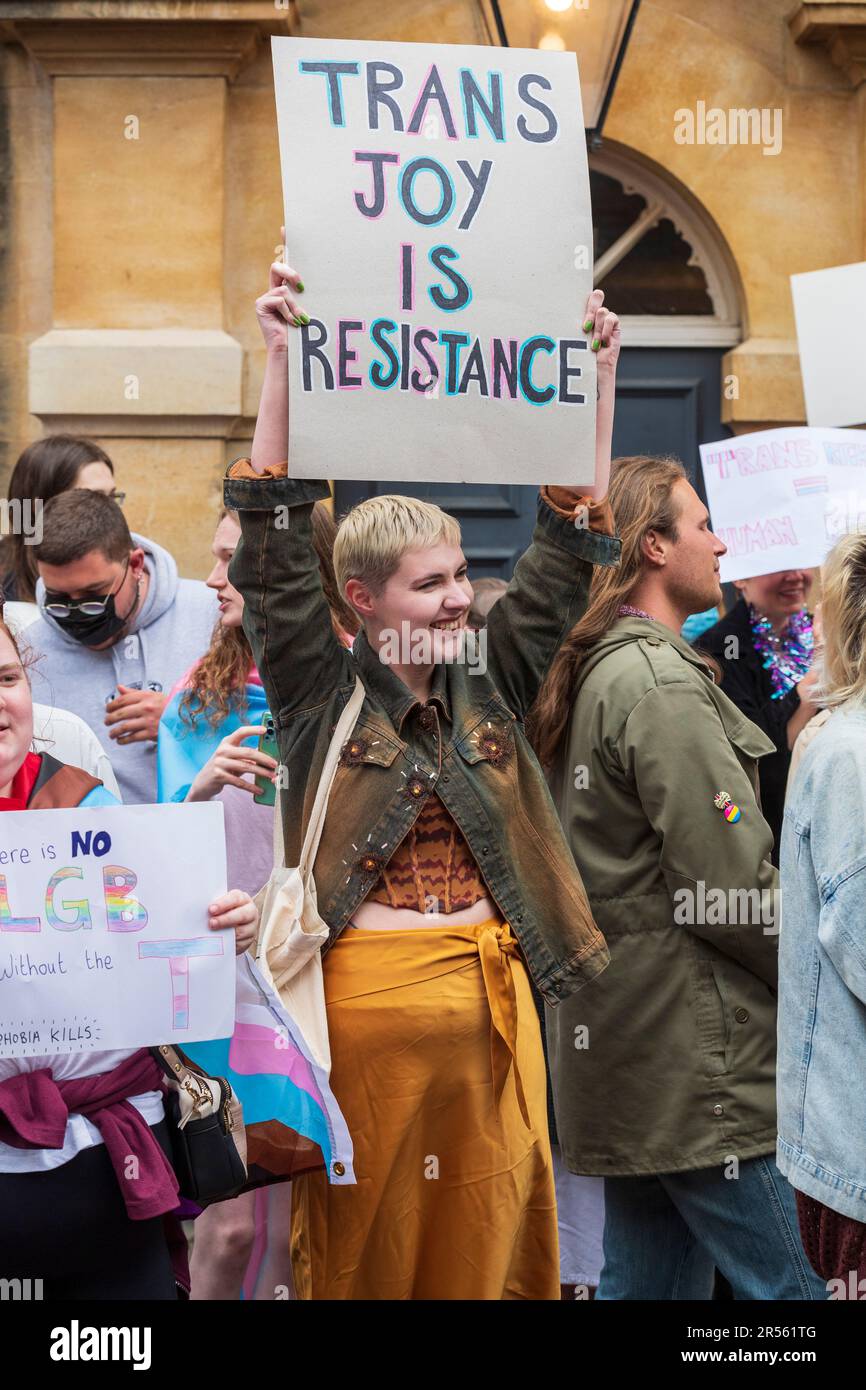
(664, 1071)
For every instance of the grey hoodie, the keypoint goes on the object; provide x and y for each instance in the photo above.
(172, 630)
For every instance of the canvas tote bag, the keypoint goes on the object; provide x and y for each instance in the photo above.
(291, 932)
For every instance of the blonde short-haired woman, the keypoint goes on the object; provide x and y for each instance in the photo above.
(442, 873)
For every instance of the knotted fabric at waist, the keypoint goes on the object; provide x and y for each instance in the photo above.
(35, 1109)
(364, 962)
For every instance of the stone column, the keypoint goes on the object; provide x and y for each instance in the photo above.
(128, 287)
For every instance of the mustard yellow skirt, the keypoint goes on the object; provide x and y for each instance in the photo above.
(439, 1070)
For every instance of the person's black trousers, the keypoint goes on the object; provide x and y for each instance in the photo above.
(68, 1227)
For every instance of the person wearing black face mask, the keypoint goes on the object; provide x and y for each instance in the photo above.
(117, 629)
(93, 621)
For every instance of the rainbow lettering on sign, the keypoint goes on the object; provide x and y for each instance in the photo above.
(124, 912)
(7, 921)
(80, 906)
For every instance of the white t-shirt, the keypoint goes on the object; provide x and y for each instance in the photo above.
(80, 1133)
(67, 738)
(20, 615)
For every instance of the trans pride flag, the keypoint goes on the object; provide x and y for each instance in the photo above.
(292, 1120)
(182, 751)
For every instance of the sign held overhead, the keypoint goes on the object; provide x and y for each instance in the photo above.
(437, 208)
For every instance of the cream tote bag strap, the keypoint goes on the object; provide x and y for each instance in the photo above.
(310, 848)
(291, 931)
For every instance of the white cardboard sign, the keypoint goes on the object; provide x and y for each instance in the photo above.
(104, 935)
(779, 499)
(438, 211)
(830, 309)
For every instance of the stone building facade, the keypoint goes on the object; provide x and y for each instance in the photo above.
(141, 204)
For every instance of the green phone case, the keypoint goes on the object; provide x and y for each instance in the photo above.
(267, 791)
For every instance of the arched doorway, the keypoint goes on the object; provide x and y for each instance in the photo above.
(665, 267)
(660, 257)
(667, 271)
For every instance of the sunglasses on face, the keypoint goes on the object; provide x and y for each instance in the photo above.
(63, 607)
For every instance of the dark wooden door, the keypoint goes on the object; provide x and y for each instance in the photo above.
(668, 402)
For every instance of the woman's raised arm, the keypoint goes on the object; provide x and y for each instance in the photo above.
(277, 311)
(275, 567)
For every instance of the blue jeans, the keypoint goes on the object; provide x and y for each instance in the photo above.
(665, 1235)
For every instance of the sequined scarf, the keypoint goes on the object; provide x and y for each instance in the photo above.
(787, 655)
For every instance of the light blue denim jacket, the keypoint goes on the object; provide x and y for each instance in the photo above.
(821, 1078)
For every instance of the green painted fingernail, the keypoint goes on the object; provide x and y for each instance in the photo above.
(300, 287)
(596, 344)
(304, 318)
(587, 326)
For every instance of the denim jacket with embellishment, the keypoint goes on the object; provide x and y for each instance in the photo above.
(467, 743)
(822, 970)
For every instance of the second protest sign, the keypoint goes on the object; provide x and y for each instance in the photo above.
(105, 940)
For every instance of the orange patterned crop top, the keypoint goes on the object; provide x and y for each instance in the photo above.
(432, 869)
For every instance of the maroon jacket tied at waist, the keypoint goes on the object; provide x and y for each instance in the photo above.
(34, 1110)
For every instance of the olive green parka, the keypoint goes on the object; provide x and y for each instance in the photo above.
(666, 1062)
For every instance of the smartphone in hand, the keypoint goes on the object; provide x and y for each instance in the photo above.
(267, 790)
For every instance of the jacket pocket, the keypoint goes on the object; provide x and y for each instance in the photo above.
(491, 739)
(751, 741)
(372, 739)
(368, 744)
(712, 1019)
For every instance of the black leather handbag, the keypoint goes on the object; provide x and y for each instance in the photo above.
(208, 1139)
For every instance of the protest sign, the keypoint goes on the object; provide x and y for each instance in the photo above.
(437, 209)
(830, 309)
(780, 498)
(104, 935)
